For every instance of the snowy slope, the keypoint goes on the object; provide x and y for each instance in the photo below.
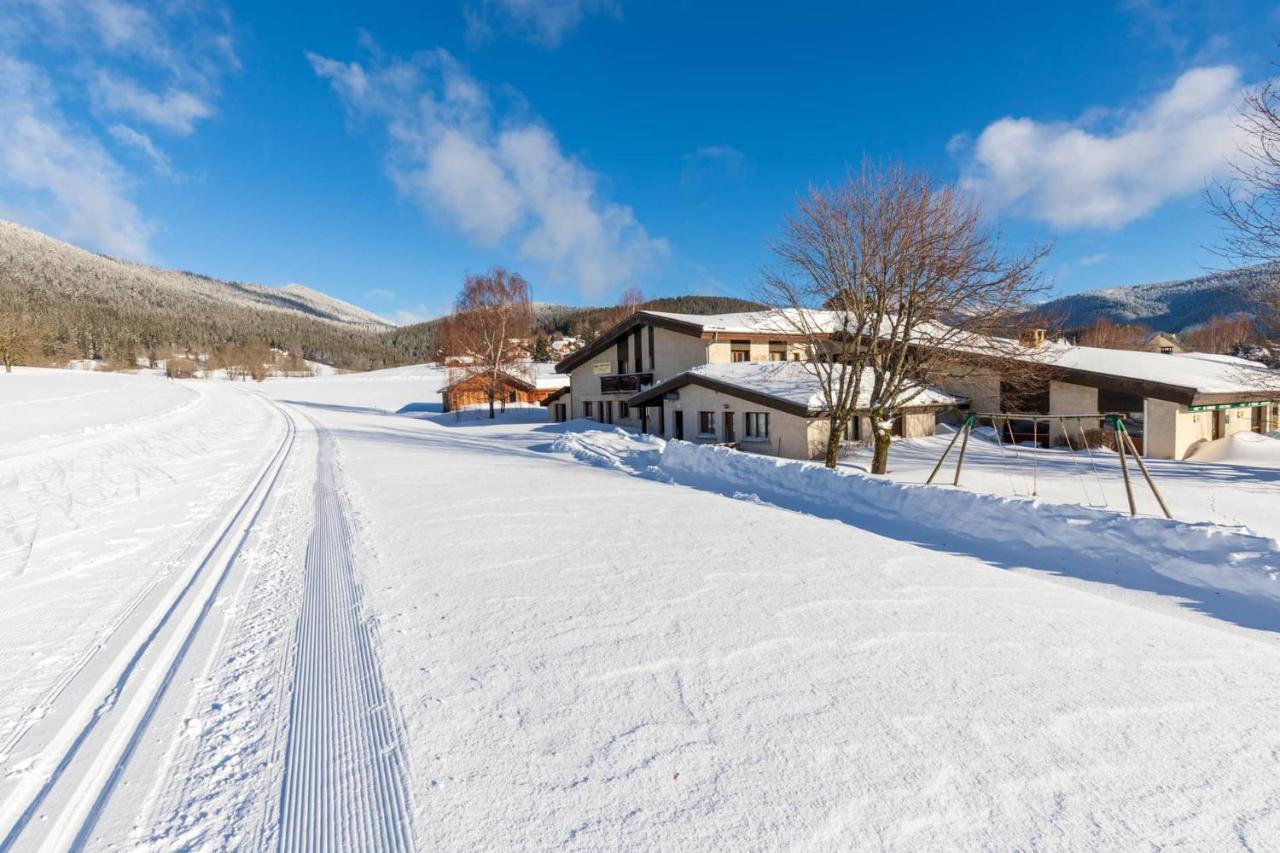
(34, 260)
(1169, 306)
(282, 616)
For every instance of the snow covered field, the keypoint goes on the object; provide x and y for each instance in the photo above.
(283, 615)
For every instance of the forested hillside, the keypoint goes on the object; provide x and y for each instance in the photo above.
(1169, 306)
(59, 302)
(69, 303)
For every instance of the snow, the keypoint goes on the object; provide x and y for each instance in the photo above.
(1242, 448)
(793, 382)
(1206, 373)
(287, 616)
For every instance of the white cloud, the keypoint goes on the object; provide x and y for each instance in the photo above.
(543, 22)
(56, 174)
(157, 62)
(715, 163)
(175, 110)
(1071, 175)
(142, 143)
(495, 177)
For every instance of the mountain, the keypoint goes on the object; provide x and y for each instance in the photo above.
(73, 304)
(1168, 306)
(77, 304)
(29, 259)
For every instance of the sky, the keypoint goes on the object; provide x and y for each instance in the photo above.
(380, 151)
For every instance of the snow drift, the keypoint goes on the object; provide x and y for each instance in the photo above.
(1200, 554)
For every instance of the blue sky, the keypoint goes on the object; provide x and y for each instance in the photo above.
(377, 151)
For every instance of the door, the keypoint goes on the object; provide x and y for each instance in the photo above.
(1217, 425)
(729, 435)
(677, 425)
(608, 411)
(1256, 424)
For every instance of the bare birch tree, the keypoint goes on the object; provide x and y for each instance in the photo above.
(887, 277)
(486, 337)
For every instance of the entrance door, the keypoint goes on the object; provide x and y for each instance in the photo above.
(608, 411)
(728, 427)
(1217, 425)
(677, 425)
(1258, 412)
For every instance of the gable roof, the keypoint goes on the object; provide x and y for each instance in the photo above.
(788, 386)
(530, 375)
(675, 322)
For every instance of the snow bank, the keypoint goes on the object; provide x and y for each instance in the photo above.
(618, 449)
(1201, 554)
(1242, 448)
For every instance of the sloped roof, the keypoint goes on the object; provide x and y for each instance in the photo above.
(786, 385)
(539, 375)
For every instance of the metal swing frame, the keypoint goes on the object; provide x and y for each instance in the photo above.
(1124, 445)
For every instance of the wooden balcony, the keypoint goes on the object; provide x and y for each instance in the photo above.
(625, 383)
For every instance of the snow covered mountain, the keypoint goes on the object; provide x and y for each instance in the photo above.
(41, 265)
(1170, 306)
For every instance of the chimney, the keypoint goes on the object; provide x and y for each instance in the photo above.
(1031, 338)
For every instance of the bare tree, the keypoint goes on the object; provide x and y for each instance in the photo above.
(486, 337)
(1229, 335)
(906, 277)
(1248, 200)
(1108, 334)
(815, 299)
(18, 339)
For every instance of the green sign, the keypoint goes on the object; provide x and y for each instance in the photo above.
(1218, 407)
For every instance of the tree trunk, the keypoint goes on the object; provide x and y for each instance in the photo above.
(491, 414)
(880, 462)
(833, 444)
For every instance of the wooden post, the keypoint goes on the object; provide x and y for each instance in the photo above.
(947, 452)
(964, 445)
(1035, 458)
(1124, 468)
(1142, 466)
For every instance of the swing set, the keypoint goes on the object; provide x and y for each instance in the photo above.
(1002, 423)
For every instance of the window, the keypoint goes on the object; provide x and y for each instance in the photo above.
(622, 354)
(511, 396)
(758, 425)
(586, 409)
(739, 350)
(1166, 350)
(624, 411)
(706, 423)
(777, 351)
(795, 356)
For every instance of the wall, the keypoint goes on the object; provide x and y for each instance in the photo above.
(1066, 398)
(982, 387)
(918, 424)
(1160, 431)
(788, 433)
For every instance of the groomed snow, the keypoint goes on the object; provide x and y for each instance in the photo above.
(546, 636)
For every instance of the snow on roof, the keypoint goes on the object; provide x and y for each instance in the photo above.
(793, 382)
(780, 321)
(544, 376)
(540, 374)
(1204, 372)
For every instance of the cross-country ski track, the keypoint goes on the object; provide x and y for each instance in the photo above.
(344, 782)
(340, 763)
